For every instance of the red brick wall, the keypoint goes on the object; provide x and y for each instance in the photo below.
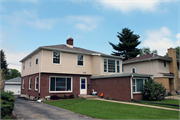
(137, 96)
(45, 85)
(115, 88)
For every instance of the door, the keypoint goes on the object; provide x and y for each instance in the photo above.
(83, 86)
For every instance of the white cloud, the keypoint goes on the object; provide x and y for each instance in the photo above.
(158, 40)
(82, 26)
(29, 18)
(131, 5)
(178, 36)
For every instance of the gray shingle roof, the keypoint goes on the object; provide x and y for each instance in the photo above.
(17, 79)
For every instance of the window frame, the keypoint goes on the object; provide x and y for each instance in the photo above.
(134, 69)
(66, 84)
(30, 61)
(36, 60)
(144, 79)
(30, 84)
(23, 84)
(107, 71)
(36, 82)
(82, 60)
(165, 63)
(59, 58)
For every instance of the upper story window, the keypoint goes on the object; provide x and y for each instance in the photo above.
(23, 65)
(165, 64)
(30, 62)
(138, 84)
(56, 57)
(36, 58)
(112, 66)
(36, 82)
(80, 59)
(30, 83)
(133, 70)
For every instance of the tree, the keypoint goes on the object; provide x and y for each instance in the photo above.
(127, 45)
(177, 52)
(12, 73)
(146, 50)
(4, 64)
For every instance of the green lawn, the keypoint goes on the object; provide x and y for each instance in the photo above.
(109, 110)
(168, 101)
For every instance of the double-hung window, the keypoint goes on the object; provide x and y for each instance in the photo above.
(30, 83)
(36, 83)
(138, 84)
(23, 84)
(36, 59)
(23, 65)
(56, 57)
(61, 84)
(80, 59)
(111, 66)
(30, 62)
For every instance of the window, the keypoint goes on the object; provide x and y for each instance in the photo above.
(30, 62)
(36, 58)
(23, 84)
(80, 60)
(56, 57)
(112, 66)
(138, 84)
(165, 64)
(60, 84)
(30, 83)
(36, 83)
(133, 70)
(23, 65)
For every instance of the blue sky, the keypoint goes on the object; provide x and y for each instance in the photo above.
(28, 24)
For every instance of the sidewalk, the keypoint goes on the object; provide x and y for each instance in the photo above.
(135, 104)
(177, 97)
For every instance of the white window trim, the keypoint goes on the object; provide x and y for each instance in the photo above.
(36, 82)
(23, 84)
(59, 58)
(30, 80)
(83, 61)
(36, 58)
(144, 79)
(115, 65)
(55, 83)
(132, 69)
(30, 62)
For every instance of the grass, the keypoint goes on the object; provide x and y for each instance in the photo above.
(108, 110)
(168, 101)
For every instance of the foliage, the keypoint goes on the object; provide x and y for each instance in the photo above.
(7, 103)
(177, 52)
(3, 64)
(169, 93)
(146, 50)
(127, 45)
(12, 73)
(110, 110)
(153, 90)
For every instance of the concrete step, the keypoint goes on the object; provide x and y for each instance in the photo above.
(88, 96)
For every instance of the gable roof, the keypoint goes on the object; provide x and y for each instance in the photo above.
(65, 48)
(16, 80)
(147, 57)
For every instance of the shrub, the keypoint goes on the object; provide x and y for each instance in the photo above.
(7, 103)
(153, 91)
(170, 94)
(54, 97)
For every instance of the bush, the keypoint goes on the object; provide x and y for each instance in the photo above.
(55, 97)
(170, 94)
(7, 103)
(153, 91)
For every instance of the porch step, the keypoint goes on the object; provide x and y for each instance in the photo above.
(88, 96)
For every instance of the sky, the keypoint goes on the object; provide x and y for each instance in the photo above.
(26, 25)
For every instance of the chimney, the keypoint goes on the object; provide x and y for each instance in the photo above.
(173, 66)
(69, 42)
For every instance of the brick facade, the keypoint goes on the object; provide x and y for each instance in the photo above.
(164, 81)
(115, 88)
(137, 96)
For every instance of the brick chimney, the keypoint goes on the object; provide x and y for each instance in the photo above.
(69, 42)
(173, 66)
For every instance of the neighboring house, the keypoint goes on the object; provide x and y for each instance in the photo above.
(65, 70)
(163, 69)
(13, 85)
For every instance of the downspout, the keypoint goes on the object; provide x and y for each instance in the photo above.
(40, 74)
(131, 78)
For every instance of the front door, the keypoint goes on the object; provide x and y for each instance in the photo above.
(83, 86)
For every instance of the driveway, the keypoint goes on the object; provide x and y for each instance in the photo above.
(25, 109)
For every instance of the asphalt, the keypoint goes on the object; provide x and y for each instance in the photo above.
(25, 109)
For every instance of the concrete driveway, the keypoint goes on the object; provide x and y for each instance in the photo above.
(25, 109)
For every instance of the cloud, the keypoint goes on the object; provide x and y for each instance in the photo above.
(29, 18)
(159, 40)
(131, 5)
(85, 23)
(178, 36)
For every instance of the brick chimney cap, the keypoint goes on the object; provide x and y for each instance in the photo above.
(70, 38)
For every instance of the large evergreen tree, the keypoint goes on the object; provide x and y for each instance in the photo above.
(4, 64)
(127, 45)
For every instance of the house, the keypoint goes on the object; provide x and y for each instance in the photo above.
(65, 70)
(165, 70)
(13, 85)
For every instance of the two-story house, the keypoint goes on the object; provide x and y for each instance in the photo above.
(65, 70)
(163, 69)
